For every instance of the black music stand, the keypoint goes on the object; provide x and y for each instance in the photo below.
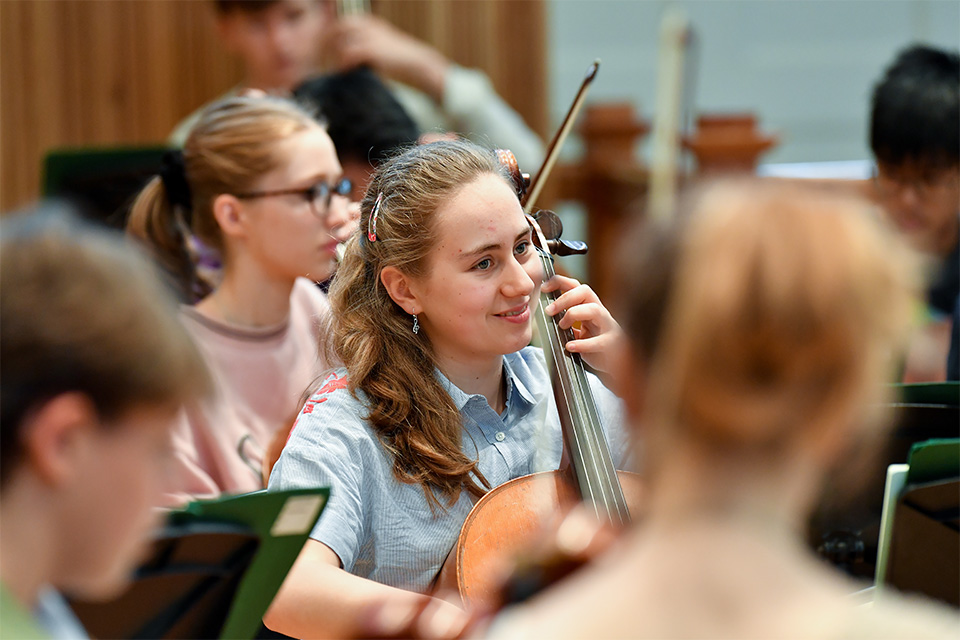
(101, 182)
(213, 571)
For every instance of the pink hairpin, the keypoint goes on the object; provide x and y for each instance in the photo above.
(372, 227)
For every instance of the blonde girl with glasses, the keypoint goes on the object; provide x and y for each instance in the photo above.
(259, 190)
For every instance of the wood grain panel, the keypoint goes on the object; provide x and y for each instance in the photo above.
(124, 72)
(106, 72)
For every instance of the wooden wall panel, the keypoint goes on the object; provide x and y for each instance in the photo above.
(108, 72)
(124, 72)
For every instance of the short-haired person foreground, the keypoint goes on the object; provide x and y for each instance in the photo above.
(441, 398)
(95, 366)
(763, 322)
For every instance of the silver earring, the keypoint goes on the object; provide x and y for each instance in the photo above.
(416, 323)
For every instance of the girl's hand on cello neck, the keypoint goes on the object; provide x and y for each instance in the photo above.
(599, 337)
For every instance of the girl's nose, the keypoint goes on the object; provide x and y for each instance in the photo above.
(340, 214)
(517, 282)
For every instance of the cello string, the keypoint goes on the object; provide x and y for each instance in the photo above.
(592, 463)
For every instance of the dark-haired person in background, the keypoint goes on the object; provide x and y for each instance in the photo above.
(364, 120)
(915, 138)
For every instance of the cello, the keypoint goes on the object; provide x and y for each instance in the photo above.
(500, 524)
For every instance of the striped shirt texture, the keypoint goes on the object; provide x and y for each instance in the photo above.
(383, 529)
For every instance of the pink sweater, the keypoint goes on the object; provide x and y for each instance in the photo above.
(260, 376)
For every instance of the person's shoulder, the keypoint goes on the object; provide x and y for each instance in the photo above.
(333, 410)
(307, 296)
(333, 390)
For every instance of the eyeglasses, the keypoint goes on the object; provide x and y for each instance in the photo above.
(318, 195)
(925, 185)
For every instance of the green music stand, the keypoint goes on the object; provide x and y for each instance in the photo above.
(214, 570)
(919, 548)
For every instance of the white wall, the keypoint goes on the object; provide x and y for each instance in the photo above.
(805, 67)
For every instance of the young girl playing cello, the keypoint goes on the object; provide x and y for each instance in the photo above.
(259, 182)
(441, 398)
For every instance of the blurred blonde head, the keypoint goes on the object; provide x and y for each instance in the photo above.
(766, 314)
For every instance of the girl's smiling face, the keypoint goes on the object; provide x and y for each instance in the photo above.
(483, 275)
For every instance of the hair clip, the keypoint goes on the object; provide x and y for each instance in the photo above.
(372, 227)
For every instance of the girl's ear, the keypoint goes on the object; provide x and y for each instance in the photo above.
(398, 286)
(228, 212)
(54, 437)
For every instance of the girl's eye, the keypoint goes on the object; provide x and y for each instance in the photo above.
(484, 264)
(523, 247)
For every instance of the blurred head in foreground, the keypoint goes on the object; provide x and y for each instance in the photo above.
(95, 365)
(765, 319)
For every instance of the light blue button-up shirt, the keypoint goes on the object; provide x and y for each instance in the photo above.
(383, 529)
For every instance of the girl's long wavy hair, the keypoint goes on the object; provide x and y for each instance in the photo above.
(234, 143)
(412, 414)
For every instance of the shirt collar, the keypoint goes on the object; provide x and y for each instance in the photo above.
(518, 392)
(517, 389)
(459, 397)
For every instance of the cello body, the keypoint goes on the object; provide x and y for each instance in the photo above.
(504, 523)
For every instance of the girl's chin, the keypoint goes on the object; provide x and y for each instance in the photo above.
(521, 341)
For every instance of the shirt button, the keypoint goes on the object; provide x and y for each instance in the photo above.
(501, 436)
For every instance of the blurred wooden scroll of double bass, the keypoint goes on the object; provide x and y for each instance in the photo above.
(675, 38)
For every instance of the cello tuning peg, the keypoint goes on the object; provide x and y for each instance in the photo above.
(567, 247)
(550, 224)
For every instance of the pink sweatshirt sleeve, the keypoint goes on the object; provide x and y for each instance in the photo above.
(188, 480)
